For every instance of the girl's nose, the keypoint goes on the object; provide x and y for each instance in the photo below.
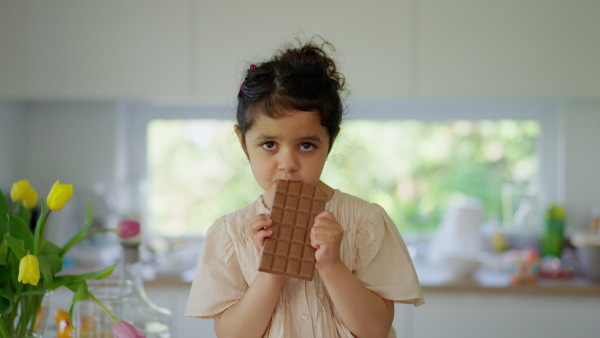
(287, 162)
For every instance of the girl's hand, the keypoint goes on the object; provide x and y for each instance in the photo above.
(326, 236)
(258, 229)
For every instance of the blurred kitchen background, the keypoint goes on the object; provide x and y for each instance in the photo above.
(475, 124)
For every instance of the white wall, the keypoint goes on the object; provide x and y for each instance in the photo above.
(581, 160)
(13, 143)
(75, 143)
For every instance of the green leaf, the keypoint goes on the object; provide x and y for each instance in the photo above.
(5, 304)
(81, 234)
(24, 213)
(39, 228)
(70, 279)
(16, 245)
(14, 273)
(49, 248)
(45, 271)
(18, 229)
(3, 214)
(55, 263)
(4, 277)
(32, 292)
(3, 251)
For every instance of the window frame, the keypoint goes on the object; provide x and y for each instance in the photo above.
(134, 118)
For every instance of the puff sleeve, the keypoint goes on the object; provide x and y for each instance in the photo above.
(383, 263)
(218, 282)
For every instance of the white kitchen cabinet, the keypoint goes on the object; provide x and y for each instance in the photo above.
(505, 315)
(517, 48)
(68, 49)
(371, 38)
(175, 298)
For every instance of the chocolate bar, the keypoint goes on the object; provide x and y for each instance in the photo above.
(288, 251)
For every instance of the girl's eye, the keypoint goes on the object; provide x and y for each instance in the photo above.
(307, 146)
(269, 145)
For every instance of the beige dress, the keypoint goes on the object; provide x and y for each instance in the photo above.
(371, 247)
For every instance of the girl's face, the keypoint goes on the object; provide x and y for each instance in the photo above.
(291, 148)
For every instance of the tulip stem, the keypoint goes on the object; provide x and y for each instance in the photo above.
(39, 232)
(4, 328)
(94, 233)
(103, 308)
(12, 208)
(76, 240)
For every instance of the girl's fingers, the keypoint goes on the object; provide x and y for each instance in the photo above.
(321, 237)
(258, 229)
(325, 215)
(259, 222)
(325, 231)
(326, 236)
(262, 234)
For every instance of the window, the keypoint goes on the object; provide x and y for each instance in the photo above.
(411, 159)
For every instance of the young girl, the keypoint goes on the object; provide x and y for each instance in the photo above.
(288, 116)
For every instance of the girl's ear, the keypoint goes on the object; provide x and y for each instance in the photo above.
(240, 136)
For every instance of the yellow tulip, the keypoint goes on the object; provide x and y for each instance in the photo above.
(30, 199)
(29, 270)
(19, 190)
(59, 195)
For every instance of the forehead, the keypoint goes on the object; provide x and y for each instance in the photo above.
(295, 122)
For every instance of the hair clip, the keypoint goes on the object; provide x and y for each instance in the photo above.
(252, 66)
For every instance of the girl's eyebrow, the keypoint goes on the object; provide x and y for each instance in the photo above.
(311, 139)
(263, 137)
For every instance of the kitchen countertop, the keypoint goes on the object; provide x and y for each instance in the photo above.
(440, 280)
(497, 282)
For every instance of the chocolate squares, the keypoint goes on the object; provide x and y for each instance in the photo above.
(288, 251)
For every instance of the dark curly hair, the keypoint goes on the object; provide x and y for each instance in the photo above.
(303, 79)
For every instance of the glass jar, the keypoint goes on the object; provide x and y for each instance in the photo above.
(90, 320)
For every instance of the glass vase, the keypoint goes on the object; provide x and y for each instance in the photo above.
(28, 316)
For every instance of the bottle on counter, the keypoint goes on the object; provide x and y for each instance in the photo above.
(139, 310)
(553, 236)
(528, 221)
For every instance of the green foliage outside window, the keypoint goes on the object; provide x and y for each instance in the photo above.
(413, 169)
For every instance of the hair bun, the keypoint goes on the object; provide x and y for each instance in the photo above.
(312, 55)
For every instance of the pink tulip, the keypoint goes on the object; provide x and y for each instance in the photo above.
(128, 228)
(126, 330)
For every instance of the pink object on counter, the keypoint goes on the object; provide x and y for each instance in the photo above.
(128, 228)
